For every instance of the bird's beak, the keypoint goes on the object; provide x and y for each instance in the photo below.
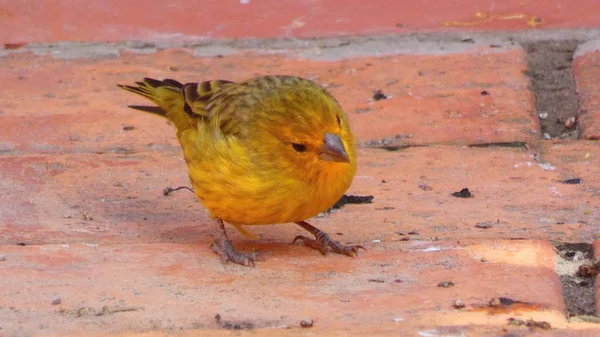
(333, 149)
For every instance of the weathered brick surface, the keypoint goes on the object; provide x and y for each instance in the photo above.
(113, 20)
(586, 68)
(54, 106)
(47, 198)
(116, 287)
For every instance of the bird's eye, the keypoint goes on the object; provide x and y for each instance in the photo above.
(299, 147)
(339, 120)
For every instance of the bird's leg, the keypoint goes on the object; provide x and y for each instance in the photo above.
(224, 248)
(324, 243)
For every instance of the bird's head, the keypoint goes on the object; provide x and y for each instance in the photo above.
(308, 130)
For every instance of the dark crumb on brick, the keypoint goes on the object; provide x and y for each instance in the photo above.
(56, 301)
(87, 216)
(307, 323)
(446, 284)
(497, 302)
(484, 93)
(233, 325)
(128, 127)
(573, 181)
(529, 323)
(21, 244)
(464, 193)
(352, 199)
(379, 95)
(425, 187)
(458, 304)
(485, 225)
(376, 280)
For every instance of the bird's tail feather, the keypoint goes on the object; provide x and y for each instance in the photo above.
(167, 95)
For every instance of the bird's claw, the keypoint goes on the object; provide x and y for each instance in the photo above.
(225, 249)
(324, 243)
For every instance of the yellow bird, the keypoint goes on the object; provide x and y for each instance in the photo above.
(270, 150)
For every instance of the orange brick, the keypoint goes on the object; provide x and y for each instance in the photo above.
(587, 74)
(116, 288)
(575, 159)
(52, 195)
(46, 21)
(75, 106)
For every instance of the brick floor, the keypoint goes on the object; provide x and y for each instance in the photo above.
(171, 286)
(90, 246)
(434, 99)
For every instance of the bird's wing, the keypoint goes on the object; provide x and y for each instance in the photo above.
(220, 103)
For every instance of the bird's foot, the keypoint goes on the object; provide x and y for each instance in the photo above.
(225, 249)
(324, 243)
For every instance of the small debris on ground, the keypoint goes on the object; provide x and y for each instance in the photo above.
(56, 301)
(425, 187)
(501, 302)
(570, 122)
(128, 128)
(306, 323)
(586, 270)
(573, 181)
(529, 323)
(87, 216)
(464, 193)
(446, 284)
(352, 199)
(233, 326)
(484, 93)
(168, 190)
(487, 224)
(378, 95)
(376, 280)
(458, 304)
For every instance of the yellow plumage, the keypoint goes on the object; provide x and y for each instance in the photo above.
(273, 149)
